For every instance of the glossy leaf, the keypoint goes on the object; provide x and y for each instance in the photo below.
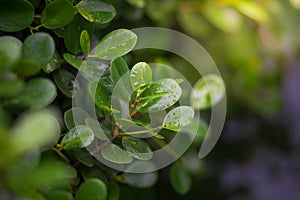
(178, 117)
(137, 148)
(53, 65)
(207, 92)
(97, 11)
(78, 137)
(159, 95)
(57, 14)
(99, 130)
(100, 95)
(92, 189)
(77, 114)
(38, 93)
(180, 178)
(73, 60)
(66, 82)
(85, 42)
(15, 15)
(10, 52)
(115, 44)
(141, 180)
(140, 75)
(114, 153)
(118, 68)
(92, 69)
(38, 48)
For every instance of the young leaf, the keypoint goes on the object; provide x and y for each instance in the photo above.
(65, 81)
(137, 148)
(78, 137)
(115, 154)
(159, 96)
(99, 130)
(178, 118)
(100, 95)
(92, 189)
(15, 15)
(207, 92)
(141, 180)
(85, 42)
(38, 48)
(77, 114)
(73, 60)
(118, 68)
(140, 75)
(97, 11)
(57, 14)
(38, 93)
(180, 178)
(115, 44)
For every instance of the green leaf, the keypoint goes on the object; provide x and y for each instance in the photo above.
(60, 195)
(99, 11)
(113, 191)
(53, 65)
(137, 3)
(66, 82)
(137, 148)
(178, 117)
(77, 114)
(92, 68)
(159, 96)
(207, 92)
(84, 157)
(118, 68)
(140, 75)
(180, 178)
(35, 130)
(92, 172)
(10, 51)
(115, 44)
(15, 15)
(100, 95)
(27, 67)
(85, 14)
(73, 60)
(38, 93)
(100, 131)
(57, 14)
(38, 48)
(141, 180)
(85, 42)
(11, 88)
(92, 189)
(78, 137)
(115, 154)
(73, 31)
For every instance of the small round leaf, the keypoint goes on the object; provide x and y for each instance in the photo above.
(85, 42)
(77, 114)
(93, 188)
(65, 81)
(178, 118)
(115, 154)
(118, 68)
(115, 44)
(15, 15)
(57, 14)
(137, 148)
(10, 51)
(78, 137)
(140, 75)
